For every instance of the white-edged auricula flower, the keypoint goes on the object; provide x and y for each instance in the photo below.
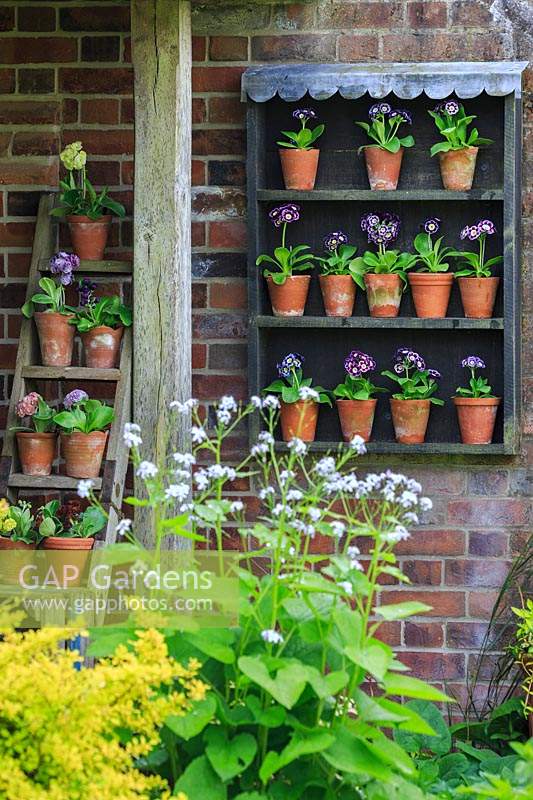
(132, 434)
(185, 407)
(146, 469)
(358, 444)
(184, 459)
(124, 526)
(178, 491)
(297, 446)
(271, 636)
(84, 489)
(307, 393)
(198, 434)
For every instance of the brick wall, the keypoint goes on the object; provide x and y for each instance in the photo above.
(482, 513)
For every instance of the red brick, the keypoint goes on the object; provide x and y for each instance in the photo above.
(423, 634)
(18, 264)
(228, 295)
(36, 19)
(5, 139)
(210, 387)
(107, 142)
(361, 15)
(197, 172)
(29, 112)
(528, 406)
(226, 173)
(100, 111)
(8, 358)
(444, 604)
(228, 235)
(104, 173)
(358, 47)
(199, 46)
(17, 172)
(390, 633)
(478, 573)
(467, 14)
(465, 635)
(487, 543)
(294, 16)
(216, 79)
(427, 14)
(199, 356)
(227, 110)
(69, 110)
(100, 48)
(218, 326)
(199, 295)
(488, 482)
(13, 294)
(7, 81)
(303, 47)
(95, 18)
(480, 604)
(214, 203)
(218, 142)
(433, 543)
(36, 81)
(127, 111)
(198, 234)
(199, 110)
(435, 666)
(126, 56)
(7, 18)
(228, 48)
(127, 172)
(424, 573)
(35, 144)
(22, 50)
(88, 80)
(424, 46)
(487, 513)
(14, 324)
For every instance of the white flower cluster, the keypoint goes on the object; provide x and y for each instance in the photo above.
(146, 469)
(272, 637)
(203, 477)
(84, 489)
(306, 393)
(225, 408)
(177, 491)
(198, 434)
(358, 444)
(270, 401)
(131, 436)
(265, 440)
(298, 446)
(184, 459)
(123, 527)
(184, 408)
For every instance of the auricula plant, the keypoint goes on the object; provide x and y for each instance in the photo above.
(431, 253)
(62, 267)
(452, 123)
(82, 414)
(286, 260)
(356, 384)
(340, 256)
(291, 384)
(477, 266)
(34, 408)
(78, 196)
(415, 380)
(384, 125)
(477, 385)
(305, 138)
(382, 230)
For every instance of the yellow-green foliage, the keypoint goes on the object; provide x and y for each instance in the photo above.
(74, 735)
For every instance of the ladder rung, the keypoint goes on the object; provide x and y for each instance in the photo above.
(17, 479)
(117, 267)
(71, 373)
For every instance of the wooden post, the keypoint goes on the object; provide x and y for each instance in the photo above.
(161, 39)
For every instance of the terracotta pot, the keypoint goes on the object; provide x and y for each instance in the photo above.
(299, 167)
(356, 418)
(478, 296)
(11, 566)
(299, 419)
(36, 452)
(476, 416)
(9, 544)
(56, 337)
(431, 293)
(83, 453)
(89, 236)
(101, 346)
(384, 294)
(338, 293)
(457, 168)
(410, 419)
(70, 558)
(288, 300)
(383, 168)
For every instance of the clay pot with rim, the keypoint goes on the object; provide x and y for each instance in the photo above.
(476, 417)
(56, 337)
(410, 419)
(356, 418)
(101, 346)
(431, 293)
(299, 167)
(338, 293)
(299, 420)
(71, 557)
(457, 168)
(37, 452)
(89, 236)
(289, 298)
(83, 453)
(384, 294)
(478, 296)
(383, 168)
(10, 569)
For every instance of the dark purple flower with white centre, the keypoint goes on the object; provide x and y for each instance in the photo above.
(291, 362)
(451, 107)
(373, 111)
(381, 229)
(74, 397)
(369, 220)
(85, 290)
(434, 373)
(359, 363)
(384, 108)
(473, 233)
(304, 114)
(464, 232)
(408, 358)
(401, 112)
(334, 240)
(486, 226)
(289, 212)
(473, 362)
(63, 265)
(399, 369)
(432, 225)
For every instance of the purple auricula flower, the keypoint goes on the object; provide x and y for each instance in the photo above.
(384, 108)
(434, 373)
(486, 226)
(451, 107)
(63, 265)
(473, 362)
(289, 212)
(85, 290)
(432, 225)
(381, 229)
(403, 113)
(407, 359)
(74, 397)
(291, 362)
(334, 240)
(358, 363)
(304, 114)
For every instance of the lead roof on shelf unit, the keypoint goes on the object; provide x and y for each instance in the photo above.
(437, 80)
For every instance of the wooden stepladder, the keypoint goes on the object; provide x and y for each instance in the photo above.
(28, 371)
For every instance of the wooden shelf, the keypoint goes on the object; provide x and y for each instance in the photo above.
(367, 195)
(449, 323)
(428, 448)
(20, 481)
(71, 373)
(116, 267)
